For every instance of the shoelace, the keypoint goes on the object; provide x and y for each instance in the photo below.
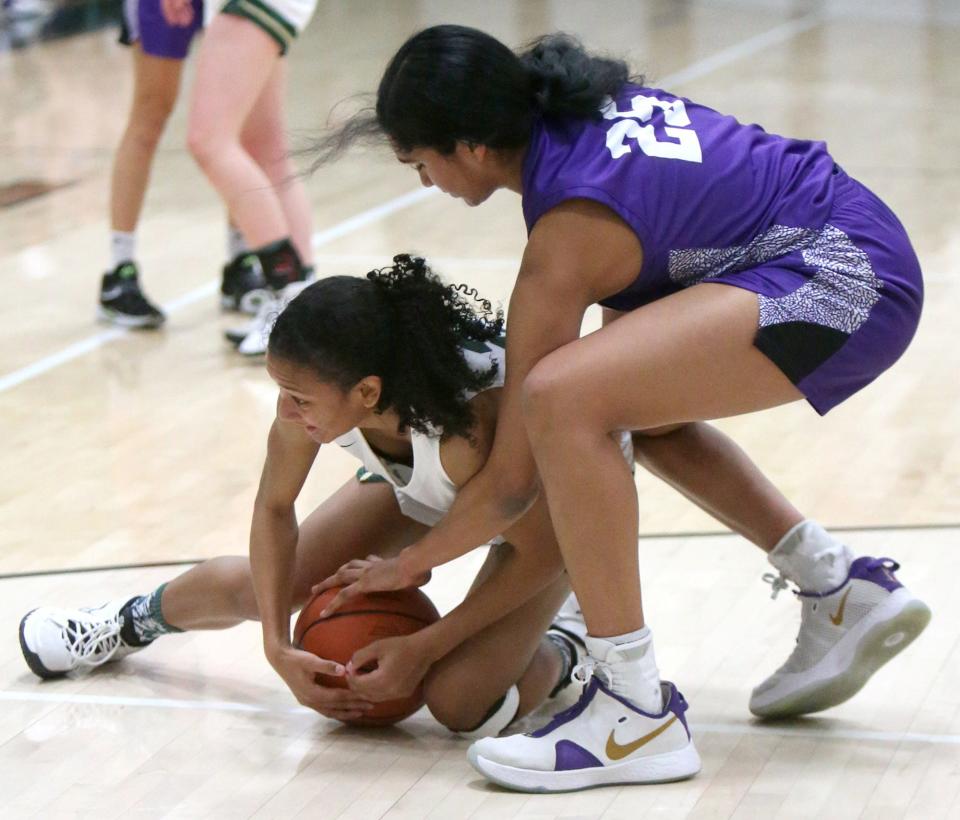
(778, 582)
(589, 667)
(91, 645)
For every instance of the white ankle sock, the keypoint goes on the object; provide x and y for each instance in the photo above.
(632, 668)
(812, 558)
(122, 247)
(236, 244)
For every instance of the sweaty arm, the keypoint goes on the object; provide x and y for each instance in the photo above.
(274, 531)
(578, 253)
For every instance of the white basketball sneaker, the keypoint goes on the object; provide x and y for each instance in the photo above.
(601, 740)
(845, 636)
(57, 641)
(251, 339)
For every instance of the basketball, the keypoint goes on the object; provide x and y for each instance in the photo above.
(361, 621)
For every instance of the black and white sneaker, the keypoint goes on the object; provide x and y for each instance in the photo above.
(244, 286)
(57, 641)
(123, 303)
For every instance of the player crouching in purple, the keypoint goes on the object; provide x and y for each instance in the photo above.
(653, 206)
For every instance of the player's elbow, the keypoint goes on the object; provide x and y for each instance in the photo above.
(517, 494)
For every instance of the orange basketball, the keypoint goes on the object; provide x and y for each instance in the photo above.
(361, 621)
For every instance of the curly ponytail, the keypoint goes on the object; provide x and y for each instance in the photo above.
(400, 323)
(450, 84)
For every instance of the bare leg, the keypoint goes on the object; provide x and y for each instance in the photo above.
(684, 358)
(156, 85)
(264, 138)
(711, 470)
(357, 520)
(462, 686)
(235, 64)
(512, 650)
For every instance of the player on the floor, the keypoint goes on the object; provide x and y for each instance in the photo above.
(159, 49)
(380, 366)
(744, 270)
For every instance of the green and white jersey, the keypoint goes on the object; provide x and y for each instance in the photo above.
(424, 491)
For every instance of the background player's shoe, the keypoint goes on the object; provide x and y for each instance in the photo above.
(57, 641)
(123, 303)
(243, 286)
(251, 339)
(603, 739)
(845, 636)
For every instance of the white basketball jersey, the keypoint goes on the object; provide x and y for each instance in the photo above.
(425, 491)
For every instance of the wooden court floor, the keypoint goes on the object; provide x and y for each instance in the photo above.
(145, 448)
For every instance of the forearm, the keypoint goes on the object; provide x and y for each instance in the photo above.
(516, 577)
(273, 541)
(484, 508)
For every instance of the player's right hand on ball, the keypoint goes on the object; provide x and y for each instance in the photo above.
(299, 671)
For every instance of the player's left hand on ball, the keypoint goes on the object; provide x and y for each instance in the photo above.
(373, 574)
(397, 666)
(348, 574)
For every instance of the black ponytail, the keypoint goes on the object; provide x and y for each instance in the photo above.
(450, 84)
(402, 324)
(569, 81)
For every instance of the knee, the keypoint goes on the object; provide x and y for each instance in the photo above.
(236, 582)
(269, 152)
(149, 119)
(204, 142)
(546, 399)
(451, 704)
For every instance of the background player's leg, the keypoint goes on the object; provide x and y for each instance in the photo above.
(264, 138)
(235, 64)
(155, 89)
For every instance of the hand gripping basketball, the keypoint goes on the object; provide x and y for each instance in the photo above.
(398, 664)
(300, 671)
(372, 574)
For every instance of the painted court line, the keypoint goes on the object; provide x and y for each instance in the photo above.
(700, 68)
(207, 290)
(750, 46)
(249, 708)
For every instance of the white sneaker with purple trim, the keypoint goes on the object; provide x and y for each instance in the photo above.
(601, 740)
(845, 636)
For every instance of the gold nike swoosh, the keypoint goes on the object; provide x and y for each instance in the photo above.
(838, 618)
(617, 752)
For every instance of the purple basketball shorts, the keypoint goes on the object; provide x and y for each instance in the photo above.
(843, 307)
(143, 22)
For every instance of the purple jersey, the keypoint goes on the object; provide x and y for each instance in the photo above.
(687, 179)
(711, 200)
